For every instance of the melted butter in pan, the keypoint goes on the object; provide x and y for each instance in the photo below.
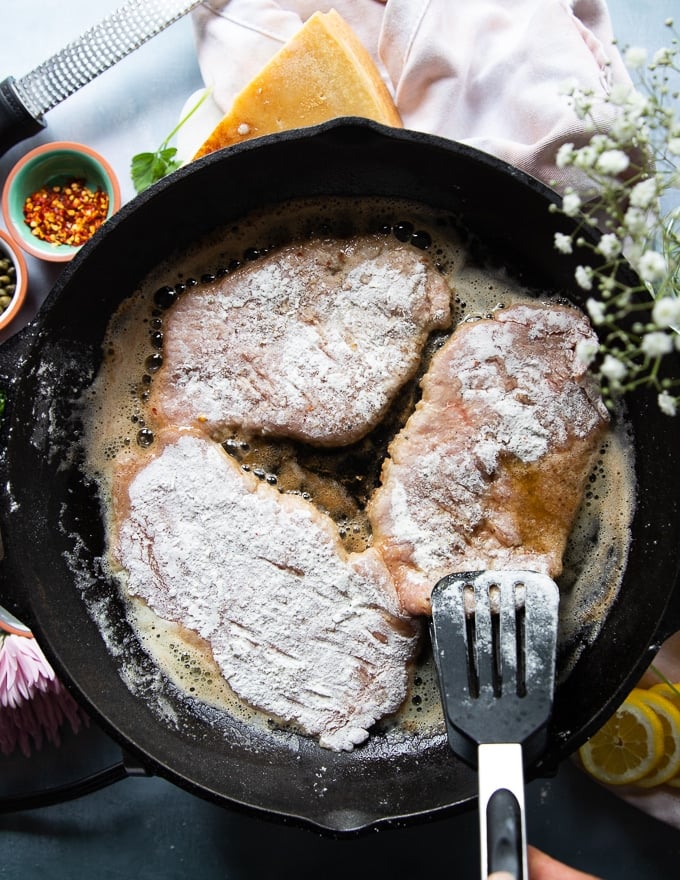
(339, 481)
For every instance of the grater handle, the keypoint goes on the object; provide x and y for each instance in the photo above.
(24, 101)
(503, 850)
(16, 122)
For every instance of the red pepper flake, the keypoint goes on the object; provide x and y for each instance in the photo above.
(68, 214)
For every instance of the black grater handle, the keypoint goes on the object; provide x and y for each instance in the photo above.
(16, 122)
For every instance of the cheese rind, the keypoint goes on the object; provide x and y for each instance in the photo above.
(321, 73)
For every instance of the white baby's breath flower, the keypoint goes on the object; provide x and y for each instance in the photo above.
(667, 404)
(635, 57)
(635, 222)
(609, 246)
(585, 157)
(596, 311)
(602, 142)
(651, 266)
(663, 58)
(583, 104)
(666, 311)
(571, 204)
(613, 369)
(656, 344)
(584, 277)
(586, 351)
(643, 193)
(568, 86)
(624, 129)
(619, 93)
(564, 156)
(612, 162)
(563, 243)
(629, 166)
(636, 105)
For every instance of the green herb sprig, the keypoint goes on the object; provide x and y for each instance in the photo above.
(148, 168)
(665, 680)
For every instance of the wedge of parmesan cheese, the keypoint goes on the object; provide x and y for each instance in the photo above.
(322, 72)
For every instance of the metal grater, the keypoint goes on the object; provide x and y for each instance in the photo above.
(24, 101)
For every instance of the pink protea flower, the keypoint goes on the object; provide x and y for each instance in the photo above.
(33, 702)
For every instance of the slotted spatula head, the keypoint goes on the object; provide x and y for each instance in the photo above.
(494, 636)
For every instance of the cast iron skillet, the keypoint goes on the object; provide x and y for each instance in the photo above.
(52, 526)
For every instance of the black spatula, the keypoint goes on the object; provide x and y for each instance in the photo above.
(494, 635)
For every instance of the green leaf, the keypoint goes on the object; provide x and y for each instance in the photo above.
(141, 170)
(147, 168)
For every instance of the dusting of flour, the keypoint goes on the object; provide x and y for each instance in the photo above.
(298, 627)
(213, 545)
(312, 344)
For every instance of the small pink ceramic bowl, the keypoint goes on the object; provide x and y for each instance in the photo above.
(12, 273)
(51, 165)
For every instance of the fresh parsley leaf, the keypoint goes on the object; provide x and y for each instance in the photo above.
(147, 168)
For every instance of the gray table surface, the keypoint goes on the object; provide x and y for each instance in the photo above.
(145, 827)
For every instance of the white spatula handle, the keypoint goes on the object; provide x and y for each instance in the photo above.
(502, 827)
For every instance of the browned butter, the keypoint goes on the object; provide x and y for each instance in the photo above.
(338, 481)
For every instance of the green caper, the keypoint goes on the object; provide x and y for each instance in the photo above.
(8, 285)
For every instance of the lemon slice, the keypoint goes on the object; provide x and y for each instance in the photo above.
(669, 715)
(628, 746)
(672, 694)
(670, 691)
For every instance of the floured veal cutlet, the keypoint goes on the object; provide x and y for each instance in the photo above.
(312, 341)
(490, 470)
(299, 628)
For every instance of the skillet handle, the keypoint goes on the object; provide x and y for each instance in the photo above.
(70, 791)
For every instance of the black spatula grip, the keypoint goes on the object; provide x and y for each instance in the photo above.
(504, 834)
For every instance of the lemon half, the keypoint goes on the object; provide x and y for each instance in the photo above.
(669, 715)
(672, 695)
(629, 746)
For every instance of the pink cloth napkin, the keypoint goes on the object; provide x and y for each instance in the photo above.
(488, 73)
